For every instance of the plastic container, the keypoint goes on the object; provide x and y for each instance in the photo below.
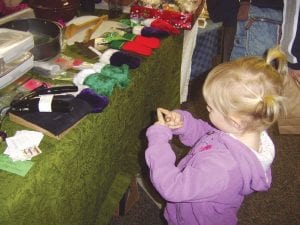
(16, 69)
(15, 58)
(47, 36)
(13, 43)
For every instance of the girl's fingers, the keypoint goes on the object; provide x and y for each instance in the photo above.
(169, 118)
(175, 126)
(178, 120)
(165, 113)
(160, 117)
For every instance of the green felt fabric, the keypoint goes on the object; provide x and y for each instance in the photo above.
(80, 179)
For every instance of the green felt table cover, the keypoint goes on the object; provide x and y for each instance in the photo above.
(80, 179)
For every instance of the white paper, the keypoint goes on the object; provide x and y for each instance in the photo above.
(23, 145)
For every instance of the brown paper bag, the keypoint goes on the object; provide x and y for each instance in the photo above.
(290, 123)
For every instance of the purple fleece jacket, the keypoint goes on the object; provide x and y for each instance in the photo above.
(208, 185)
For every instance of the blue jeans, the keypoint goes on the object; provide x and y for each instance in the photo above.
(256, 35)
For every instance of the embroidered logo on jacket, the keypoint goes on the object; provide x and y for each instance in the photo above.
(205, 148)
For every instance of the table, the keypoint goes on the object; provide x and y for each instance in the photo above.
(206, 48)
(80, 179)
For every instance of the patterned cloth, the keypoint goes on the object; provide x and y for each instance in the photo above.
(206, 48)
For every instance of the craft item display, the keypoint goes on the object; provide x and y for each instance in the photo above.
(117, 58)
(43, 89)
(44, 103)
(131, 46)
(154, 23)
(72, 29)
(45, 100)
(150, 42)
(40, 108)
(118, 73)
(103, 78)
(97, 102)
(179, 13)
(94, 30)
(130, 42)
(100, 84)
(160, 24)
(149, 31)
(138, 29)
(57, 124)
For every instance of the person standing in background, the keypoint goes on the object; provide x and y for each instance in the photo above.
(225, 12)
(258, 27)
(290, 44)
(290, 41)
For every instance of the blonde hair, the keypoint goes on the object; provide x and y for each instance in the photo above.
(250, 87)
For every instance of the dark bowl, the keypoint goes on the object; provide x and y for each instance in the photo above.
(46, 33)
(54, 9)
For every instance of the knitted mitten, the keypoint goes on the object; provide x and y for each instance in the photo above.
(118, 58)
(160, 24)
(149, 32)
(150, 42)
(95, 101)
(131, 46)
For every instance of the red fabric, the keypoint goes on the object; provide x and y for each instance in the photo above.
(163, 25)
(177, 19)
(131, 46)
(150, 42)
(4, 10)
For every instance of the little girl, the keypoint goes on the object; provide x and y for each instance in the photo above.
(228, 160)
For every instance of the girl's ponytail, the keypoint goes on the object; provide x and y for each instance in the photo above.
(272, 104)
(251, 87)
(277, 59)
(269, 108)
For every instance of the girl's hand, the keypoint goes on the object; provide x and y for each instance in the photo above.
(168, 118)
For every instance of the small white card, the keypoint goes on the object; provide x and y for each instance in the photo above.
(23, 145)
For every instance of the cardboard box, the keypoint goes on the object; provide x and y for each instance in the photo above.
(177, 19)
(290, 123)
